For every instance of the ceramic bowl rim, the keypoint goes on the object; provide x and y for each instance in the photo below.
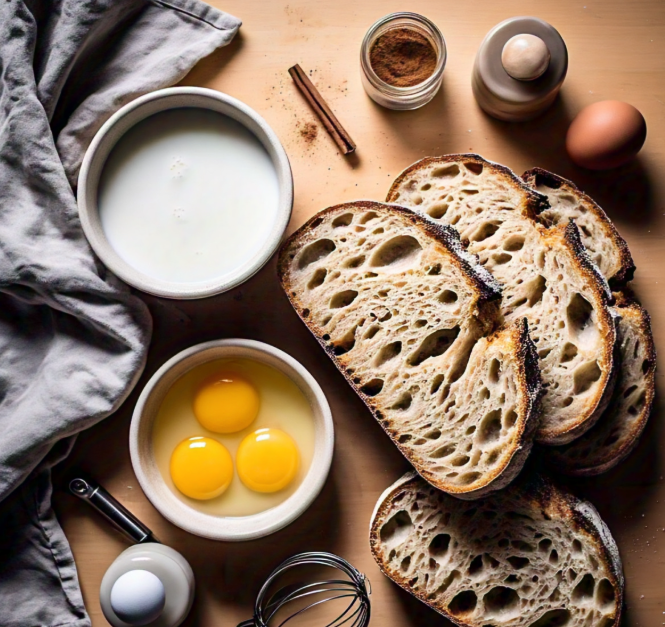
(123, 120)
(238, 528)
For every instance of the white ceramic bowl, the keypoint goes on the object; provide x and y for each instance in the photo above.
(136, 111)
(231, 528)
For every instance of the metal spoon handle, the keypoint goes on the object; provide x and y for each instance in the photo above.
(119, 516)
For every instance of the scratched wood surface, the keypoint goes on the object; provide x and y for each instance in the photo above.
(617, 51)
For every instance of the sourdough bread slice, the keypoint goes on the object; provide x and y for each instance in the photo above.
(546, 275)
(617, 432)
(605, 246)
(408, 317)
(531, 555)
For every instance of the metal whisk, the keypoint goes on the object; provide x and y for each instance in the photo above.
(355, 590)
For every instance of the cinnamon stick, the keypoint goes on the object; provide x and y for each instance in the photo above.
(322, 110)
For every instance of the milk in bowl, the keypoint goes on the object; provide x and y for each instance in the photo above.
(188, 195)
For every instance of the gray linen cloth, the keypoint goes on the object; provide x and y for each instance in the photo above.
(73, 339)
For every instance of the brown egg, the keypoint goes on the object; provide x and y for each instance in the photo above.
(606, 135)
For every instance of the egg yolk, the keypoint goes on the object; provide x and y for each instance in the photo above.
(267, 460)
(226, 402)
(201, 468)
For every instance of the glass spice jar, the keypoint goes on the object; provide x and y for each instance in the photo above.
(410, 97)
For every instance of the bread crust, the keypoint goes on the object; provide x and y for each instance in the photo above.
(626, 267)
(546, 497)
(528, 374)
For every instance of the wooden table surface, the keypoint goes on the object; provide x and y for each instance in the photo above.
(617, 51)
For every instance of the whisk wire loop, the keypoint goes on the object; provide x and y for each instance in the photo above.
(356, 588)
(311, 605)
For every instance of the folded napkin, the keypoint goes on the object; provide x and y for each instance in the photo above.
(73, 339)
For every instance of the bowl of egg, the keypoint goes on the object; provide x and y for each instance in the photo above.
(232, 439)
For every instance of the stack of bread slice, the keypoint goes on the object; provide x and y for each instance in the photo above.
(546, 275)
(596, 350)
(473, 314)
(617, 432)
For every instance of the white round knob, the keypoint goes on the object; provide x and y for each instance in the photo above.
(137, 597)
(525, 57)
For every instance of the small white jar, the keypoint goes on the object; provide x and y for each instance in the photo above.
(175, 597)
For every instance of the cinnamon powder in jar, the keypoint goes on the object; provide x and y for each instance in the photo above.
(402, 57)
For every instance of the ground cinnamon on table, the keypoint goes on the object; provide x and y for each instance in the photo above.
(309, 132)
(402, 57)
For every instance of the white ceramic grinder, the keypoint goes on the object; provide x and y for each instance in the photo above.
(149, 583)
(519, 69)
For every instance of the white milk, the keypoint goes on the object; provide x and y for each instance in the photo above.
(188, 195)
